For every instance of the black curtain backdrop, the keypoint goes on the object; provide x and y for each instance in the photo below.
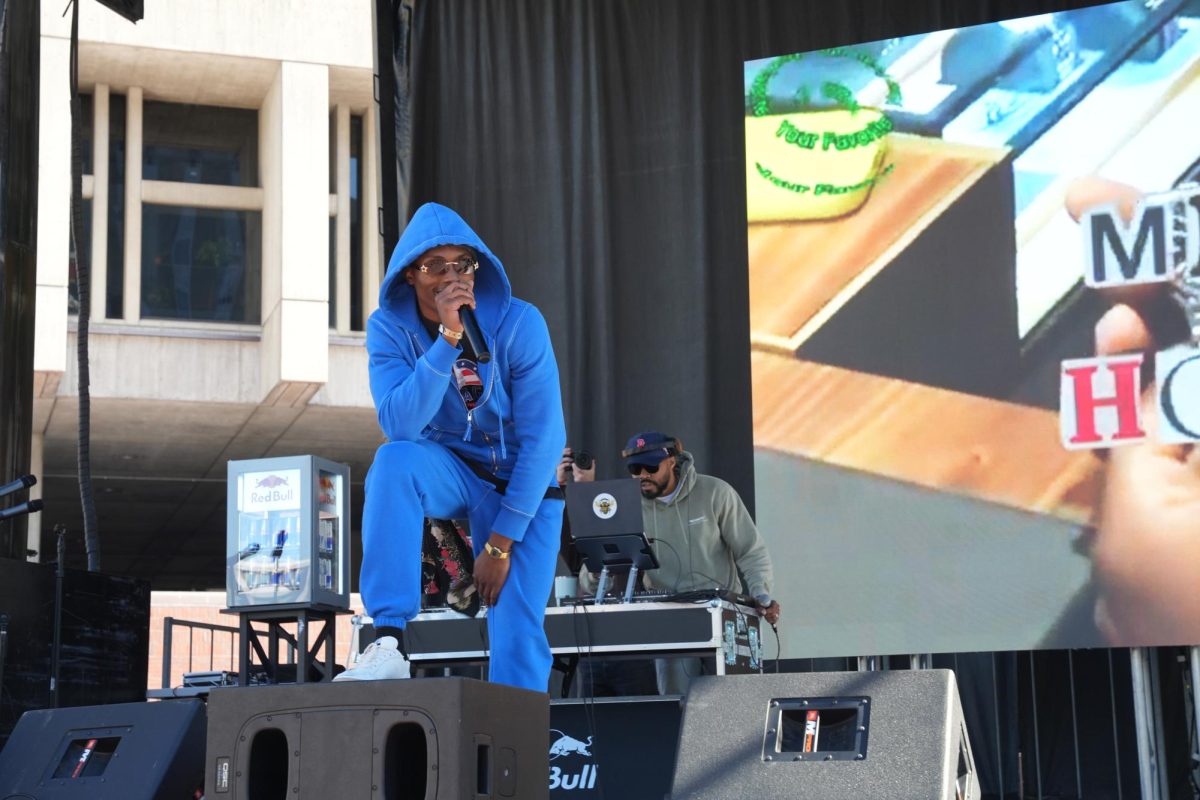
(597, 146)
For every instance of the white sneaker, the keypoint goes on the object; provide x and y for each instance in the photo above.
(380, 661)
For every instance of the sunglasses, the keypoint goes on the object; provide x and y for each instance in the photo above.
(638, 469)
(438, 267)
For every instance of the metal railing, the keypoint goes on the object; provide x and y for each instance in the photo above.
(169, 624)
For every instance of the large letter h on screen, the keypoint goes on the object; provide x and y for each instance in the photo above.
(1092, 386)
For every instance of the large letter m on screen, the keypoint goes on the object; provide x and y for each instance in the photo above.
(1163, 237)
(1124, 254)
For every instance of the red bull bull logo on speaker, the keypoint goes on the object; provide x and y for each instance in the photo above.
(568, 779)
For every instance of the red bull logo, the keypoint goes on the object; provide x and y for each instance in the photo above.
(564, 746)
(272, 489)
(271, 482)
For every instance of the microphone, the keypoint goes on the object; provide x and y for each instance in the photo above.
(28, 507)
(23, 482)
(474, 335)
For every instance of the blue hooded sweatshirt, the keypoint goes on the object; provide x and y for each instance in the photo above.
(516, 429)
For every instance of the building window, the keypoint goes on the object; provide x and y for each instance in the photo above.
(86, 122)
(357, 322)
(201, 264)
(333, 272)
(349, 273)
(108, 285)
(199, 144)
(82, 240)
(115, 258)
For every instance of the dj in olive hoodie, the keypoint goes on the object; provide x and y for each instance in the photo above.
(704, 537)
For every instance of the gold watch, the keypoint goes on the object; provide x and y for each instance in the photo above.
(495, 552)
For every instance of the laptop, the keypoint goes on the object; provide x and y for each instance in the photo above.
(606, 523)
(605, 508)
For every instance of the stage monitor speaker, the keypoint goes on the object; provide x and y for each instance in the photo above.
(124, 751)
(825, 736)
(417, 739)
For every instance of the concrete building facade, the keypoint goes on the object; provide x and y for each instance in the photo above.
(231, 227)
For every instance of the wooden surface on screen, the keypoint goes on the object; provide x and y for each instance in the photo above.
(803, 271)
(994, 450)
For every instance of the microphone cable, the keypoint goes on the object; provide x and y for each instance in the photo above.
(675, 589)
(678, 558)
(589, 699)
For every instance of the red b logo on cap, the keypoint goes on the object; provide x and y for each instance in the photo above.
(641, 443)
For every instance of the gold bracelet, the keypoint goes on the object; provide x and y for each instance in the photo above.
(495, 552)
(444, 331)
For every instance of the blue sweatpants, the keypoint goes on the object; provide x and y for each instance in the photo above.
(412, 480)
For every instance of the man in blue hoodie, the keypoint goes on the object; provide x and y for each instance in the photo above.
(466, 440)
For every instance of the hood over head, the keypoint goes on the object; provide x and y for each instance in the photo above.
(434, 225)
(686, 477)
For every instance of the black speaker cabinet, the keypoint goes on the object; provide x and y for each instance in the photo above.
(418, 739)
(825, 736)
(126, 751)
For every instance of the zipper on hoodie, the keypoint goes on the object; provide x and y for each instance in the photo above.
(487, 440)
(487, 392)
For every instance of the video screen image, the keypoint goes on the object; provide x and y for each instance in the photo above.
(917, 226)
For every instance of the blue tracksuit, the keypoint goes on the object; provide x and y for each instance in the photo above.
(515, 431)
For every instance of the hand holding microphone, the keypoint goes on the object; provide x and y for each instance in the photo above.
(768, 609)
(456, 304)
(474, 334)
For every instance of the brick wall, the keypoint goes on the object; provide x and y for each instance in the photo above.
(200, 650)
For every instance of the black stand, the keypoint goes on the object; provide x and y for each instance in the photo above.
(602, 585)
(274, 633)
(60, 573)
(626, 550)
